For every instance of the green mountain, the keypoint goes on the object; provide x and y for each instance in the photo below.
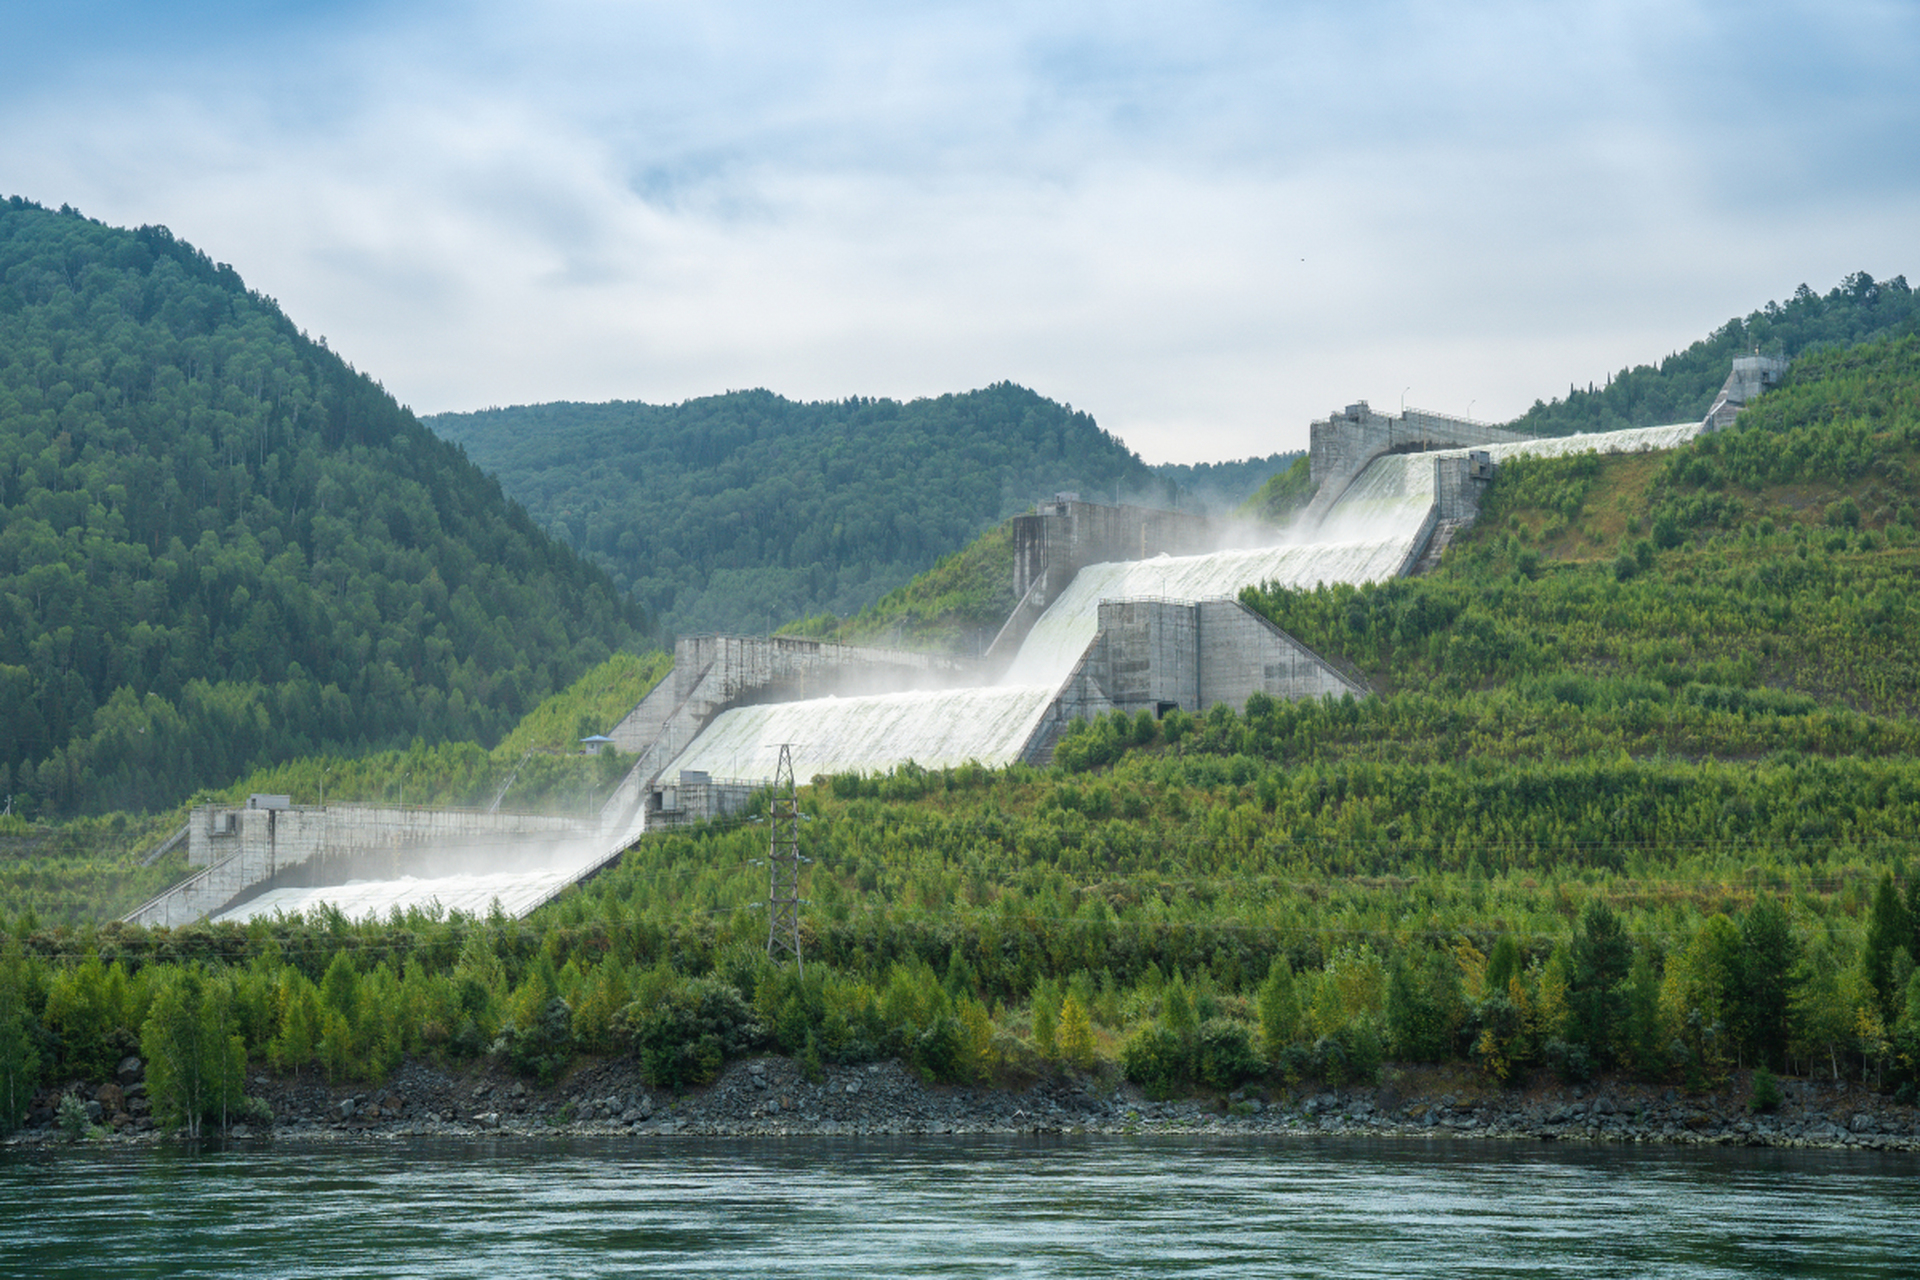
(743, 511)
(1221, 487)
(221, 546)
(1681, 387)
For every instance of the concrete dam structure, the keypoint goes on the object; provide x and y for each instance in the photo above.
(1090, 635)
(1119, 608)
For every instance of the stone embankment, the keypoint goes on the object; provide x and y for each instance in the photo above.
(770, 1097)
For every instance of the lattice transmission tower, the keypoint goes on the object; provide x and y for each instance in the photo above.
(783, 864)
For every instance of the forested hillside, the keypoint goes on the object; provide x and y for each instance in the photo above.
(745, 511)
(221, 546)
(1636, 794)
(1681, 387)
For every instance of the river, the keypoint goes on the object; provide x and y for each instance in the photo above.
(585, 1208)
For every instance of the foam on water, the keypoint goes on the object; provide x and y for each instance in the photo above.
(516, 891)
(937, 729)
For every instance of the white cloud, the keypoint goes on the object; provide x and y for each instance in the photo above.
(1205, 228)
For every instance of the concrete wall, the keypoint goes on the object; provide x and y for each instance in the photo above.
(1241, 654)
(1063, 537)
(1750, 376)
(1342, 444)
(1152, 655)
(687, 801)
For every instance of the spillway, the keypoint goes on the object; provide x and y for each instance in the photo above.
(1064, 631)
(937, 729)
(1369, 534)
(517, 892)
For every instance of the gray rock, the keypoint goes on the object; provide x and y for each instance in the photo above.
(1862, 1123)
(344, 1109)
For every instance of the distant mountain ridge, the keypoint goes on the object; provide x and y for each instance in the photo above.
(220, 546)
(744, 511)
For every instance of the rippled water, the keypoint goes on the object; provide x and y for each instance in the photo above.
(1066, 1207)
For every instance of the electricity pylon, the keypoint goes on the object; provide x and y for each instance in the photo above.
(783, 864)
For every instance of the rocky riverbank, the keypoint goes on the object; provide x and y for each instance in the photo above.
(770, 1097)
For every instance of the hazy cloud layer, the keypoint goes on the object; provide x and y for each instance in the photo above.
(1205, 227)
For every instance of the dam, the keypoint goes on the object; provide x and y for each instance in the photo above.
(1119, 608)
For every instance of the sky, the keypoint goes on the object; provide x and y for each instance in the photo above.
(1205, 224)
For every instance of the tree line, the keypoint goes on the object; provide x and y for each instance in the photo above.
(1681, 388)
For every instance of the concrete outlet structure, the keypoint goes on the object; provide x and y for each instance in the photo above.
(1156, 655)
(246, 850)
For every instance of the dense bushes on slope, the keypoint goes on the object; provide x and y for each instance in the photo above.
(221, 546)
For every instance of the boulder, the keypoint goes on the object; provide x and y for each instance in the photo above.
(130, 1071)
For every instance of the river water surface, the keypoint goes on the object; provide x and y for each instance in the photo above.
(964, 1207)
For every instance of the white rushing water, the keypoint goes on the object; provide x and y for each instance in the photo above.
(516, 891)
(1368, 535)
(937, 729)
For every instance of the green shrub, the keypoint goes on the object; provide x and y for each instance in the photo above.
(1226, 1053)
(689, 1033)
(1156, 1060)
